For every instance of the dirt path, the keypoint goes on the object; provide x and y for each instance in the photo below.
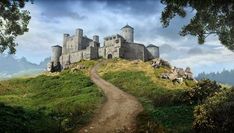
(117, 114)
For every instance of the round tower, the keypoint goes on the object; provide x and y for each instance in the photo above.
(96, 38)
(154, 50)
(56, 53)
(128, 33)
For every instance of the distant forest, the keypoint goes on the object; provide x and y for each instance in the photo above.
(225, 77)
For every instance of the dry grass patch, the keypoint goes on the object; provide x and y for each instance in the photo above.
(117, 65)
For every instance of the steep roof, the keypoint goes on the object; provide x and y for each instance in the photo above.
(151, 45)
(127, 26)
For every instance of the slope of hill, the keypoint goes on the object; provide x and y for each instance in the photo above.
(224, 77)
(49, 103)
(57, 102)
(163, 110)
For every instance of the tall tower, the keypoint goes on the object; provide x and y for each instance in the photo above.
(128, 33)
(56, 53)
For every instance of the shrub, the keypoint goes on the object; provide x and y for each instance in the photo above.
(146, 124)
(216, 115)
(200, 92)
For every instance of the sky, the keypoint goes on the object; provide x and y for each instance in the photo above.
(51, 19)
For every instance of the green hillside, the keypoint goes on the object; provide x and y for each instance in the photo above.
(60, 102)
(49, 102)
(160, 98)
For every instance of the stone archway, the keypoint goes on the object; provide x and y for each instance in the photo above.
(109, 56)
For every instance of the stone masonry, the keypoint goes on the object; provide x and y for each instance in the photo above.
(78, 47)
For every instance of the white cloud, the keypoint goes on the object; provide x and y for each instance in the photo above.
(103, 20)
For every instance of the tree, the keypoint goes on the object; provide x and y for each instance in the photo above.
(13, 22)
(211, 17)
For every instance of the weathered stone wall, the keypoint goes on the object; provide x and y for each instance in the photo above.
(76, 42)
(94, 50)
(154, 51)
(64, 59)
(85, 43)
(90, 52)
(112, 45)
(78, 47)
(148, 55)
(102, 52)
(133, 51)
(71, 43)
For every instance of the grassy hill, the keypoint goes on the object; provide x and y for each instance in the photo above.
(163, 110)
(59, 102)
(55, 102)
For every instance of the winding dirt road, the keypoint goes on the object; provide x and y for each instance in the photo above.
(117, 114)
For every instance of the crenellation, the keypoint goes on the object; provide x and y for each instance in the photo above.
(79, 47)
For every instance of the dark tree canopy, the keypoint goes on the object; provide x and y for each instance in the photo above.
(13, 22)
(211, 17)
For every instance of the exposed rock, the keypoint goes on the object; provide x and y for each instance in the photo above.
(189, 74)
(177, 75)
(164, 76)
(188, 70)
(178, 80)
(156, 63)
(54, 67)
(172, 76)
(165, 63)
(180, 72)
(49, 66)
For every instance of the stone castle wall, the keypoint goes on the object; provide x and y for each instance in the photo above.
(90, 52)
(79, 47)
(133, 51)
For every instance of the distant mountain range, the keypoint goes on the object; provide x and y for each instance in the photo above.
(225, 77)
(11, 66)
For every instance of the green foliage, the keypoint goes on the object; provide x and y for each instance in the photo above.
(174, 118)
(211, 17)
(12, 118)
(204, 89)
(161, 106)
(13, 22)
(216, 114)
(48, 103)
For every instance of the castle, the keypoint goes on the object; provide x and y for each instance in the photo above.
(79, 47)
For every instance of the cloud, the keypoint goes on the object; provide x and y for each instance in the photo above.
(208, 62)
(132, 7)
(51, 9)
(51, 19)
(195, 51)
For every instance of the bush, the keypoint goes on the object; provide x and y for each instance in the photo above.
(216, 115)
(200, 92)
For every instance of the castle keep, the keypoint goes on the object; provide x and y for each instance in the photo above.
(78, 47)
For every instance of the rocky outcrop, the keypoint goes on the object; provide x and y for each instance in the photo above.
(52, 67)
(156, 63)
(176, 75)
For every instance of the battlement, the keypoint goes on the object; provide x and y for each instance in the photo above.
(77, 47)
